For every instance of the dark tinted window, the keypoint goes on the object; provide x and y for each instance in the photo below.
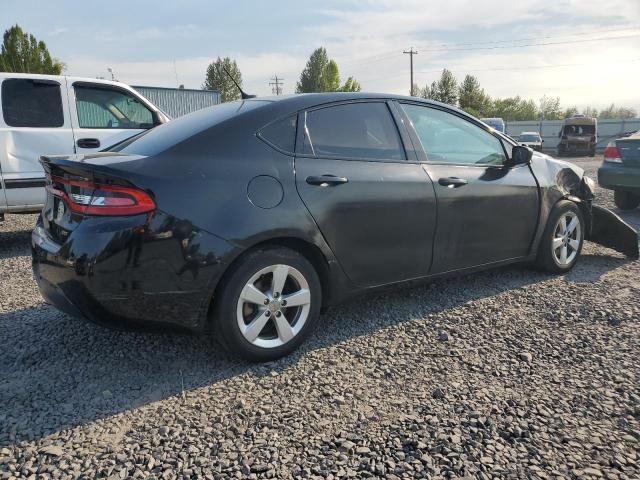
(281, 133)
(354, 130)
(29, 103)
(164, 136)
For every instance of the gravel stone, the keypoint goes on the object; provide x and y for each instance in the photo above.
(377, 392)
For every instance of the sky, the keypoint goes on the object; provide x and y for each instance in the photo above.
(585, 52)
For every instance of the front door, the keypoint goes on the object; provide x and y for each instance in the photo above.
(375, 207)
(487, 211)
(104, 115)
(34, 122)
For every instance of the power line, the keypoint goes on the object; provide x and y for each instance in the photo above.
(276, 85)
(411, 53)
(452, 46)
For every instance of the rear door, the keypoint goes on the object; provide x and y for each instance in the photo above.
(34, 122)
(373, 203)
(104, 114)
(487, 210)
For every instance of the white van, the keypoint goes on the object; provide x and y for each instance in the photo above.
(51, 114)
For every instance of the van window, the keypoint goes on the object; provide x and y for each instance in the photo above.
(32, 103)
(100, 107)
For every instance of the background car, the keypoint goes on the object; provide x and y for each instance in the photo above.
(249, 217)
(620, 171)
(531, 139)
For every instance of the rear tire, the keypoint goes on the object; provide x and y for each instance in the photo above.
(626, 200)
(252, 320)
(562, 238)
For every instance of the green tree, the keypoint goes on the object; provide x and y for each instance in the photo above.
(429, 92)
(514, 108)
(21, 52)
(472, 98)
(331, 77)
(550, 108)
(590, 112)
(446, 89)
(617, 112)
(217, 79)
(321, 74)
(570, 112)
(351, 85)
(312, 77)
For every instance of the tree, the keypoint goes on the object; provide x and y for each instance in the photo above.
(217, 79)
(312, 77)
(351, 85)
(550, 108)
(446, 89)
(331, 77)
(472, 98)
(321, 74)
(590, 112)
(23, 53)
(513, 108)
(617, 112)
(570, 112)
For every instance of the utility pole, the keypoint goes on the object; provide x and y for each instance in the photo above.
(276, 85)
(411, 53)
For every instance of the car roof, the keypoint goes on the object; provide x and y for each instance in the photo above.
(301, 101)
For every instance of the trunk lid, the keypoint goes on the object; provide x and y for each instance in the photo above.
(629, 149)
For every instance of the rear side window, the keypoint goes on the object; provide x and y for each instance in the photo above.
(281, 133)
(353, 130)
(32, 103)
(109, 108)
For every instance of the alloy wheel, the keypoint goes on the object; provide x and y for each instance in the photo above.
(566, 238)
(273, 306)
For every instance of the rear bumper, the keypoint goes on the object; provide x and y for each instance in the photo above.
(130, 273)
(619, 177)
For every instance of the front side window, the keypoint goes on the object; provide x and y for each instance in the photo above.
(32, 103)
(353, 130)
(108, 108)
(447, 138)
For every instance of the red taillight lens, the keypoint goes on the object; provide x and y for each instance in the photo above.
(96, 199)
(611, 153)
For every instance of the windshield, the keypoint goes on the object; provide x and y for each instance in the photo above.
(579, 129)
(529, 138)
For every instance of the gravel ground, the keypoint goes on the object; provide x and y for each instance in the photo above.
(505, 374)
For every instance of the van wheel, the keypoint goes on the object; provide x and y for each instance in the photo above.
(626, 200)
(268, 305)
(562, 239)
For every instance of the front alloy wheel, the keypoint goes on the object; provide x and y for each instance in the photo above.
(566, 239)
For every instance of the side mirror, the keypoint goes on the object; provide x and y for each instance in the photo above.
(521, 155)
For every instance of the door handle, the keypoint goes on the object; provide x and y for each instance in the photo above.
(452, 182)
(326, 180)
(88, 143)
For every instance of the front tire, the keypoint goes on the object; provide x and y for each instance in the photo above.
(562, 239)
(626, 200)
(267, 305)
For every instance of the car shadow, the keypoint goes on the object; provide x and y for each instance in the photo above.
(55, 377)
(13, 243)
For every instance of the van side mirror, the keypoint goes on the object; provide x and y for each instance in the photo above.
(521, 155)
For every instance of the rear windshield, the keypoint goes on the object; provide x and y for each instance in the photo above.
(164, 136)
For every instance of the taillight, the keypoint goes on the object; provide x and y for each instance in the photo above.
(95, 199)
(611, 153)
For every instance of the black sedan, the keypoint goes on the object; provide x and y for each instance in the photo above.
(247, 218)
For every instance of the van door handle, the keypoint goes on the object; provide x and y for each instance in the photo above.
(88, 143)
(452, 182)
(326, 180)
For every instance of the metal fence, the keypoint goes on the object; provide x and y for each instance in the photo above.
(549, 129)
(179, 101)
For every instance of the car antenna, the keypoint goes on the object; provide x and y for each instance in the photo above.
(243, 94)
